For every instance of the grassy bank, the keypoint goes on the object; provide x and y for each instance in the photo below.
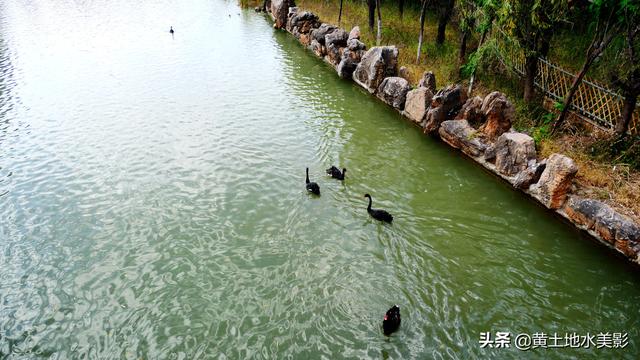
(402, 32)
(608, 178)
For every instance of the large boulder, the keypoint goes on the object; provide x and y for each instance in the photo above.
(335, 42)
(611, 226)
(428, 80)
(333, 54)
(625, 232)
(499, 112)
(338, 37)
(583, 211)
(513, 151)
(305, 39)
(460, 135)
(471, 111)
(444, 105)
(393, 91)
(355, 44)
(321, 32)
(279, 11)
(317, 48)
(417, 103)
(302, 22)
(355, 33)
(377, 63)
(291, 13)
(530, 175)
(555, 181)
(348, 62)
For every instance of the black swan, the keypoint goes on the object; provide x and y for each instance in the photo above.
(336, 174)
(311, 186)
(171, 30)
(378, 214)
(391, 320)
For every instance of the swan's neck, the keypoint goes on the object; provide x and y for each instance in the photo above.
(307, 176)
(369, 207)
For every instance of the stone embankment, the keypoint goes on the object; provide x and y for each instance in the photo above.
(479, 127)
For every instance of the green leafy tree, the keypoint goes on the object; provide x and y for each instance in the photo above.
(531, 24)
(627, 77)
(610, 18)
(468, 13)
(485, 14)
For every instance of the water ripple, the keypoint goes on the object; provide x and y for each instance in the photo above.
(153, 205)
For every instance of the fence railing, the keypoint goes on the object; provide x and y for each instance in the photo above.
(593, 102)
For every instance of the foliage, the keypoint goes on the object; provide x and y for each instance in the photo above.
(606, 28)
(471, 14)
(486, 13)
(485, 56)
(545, 124)
(543, 131)
(616, 19)
(558, 105)
(531, 22)
(618, 150)
(467, 13)
(627, 76)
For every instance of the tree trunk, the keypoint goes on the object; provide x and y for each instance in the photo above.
(372, 13)
(401, 8)
(340, 13)
(463, 48)
(483, 37)
(598, 45)
(566, 104)
(379, 34)
(445, 15)
(442, 25)
(473, 74)
(423, 13)
(546, 42)
(264, 5)
(627, 113)
(530, 70)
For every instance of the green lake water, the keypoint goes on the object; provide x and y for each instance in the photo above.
(152, 205)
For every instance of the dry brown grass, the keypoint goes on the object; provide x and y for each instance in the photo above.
(616, 185)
